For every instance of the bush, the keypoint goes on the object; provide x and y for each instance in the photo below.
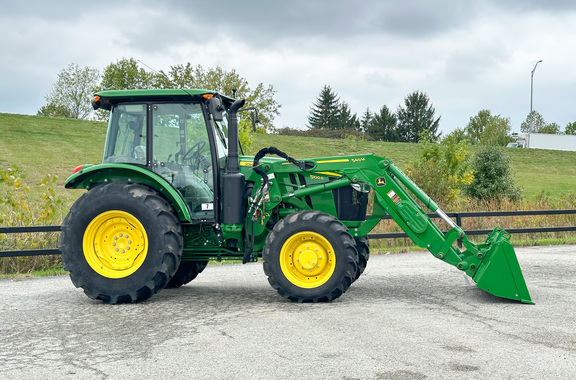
(442, 170)
(492, 176)
(325, 133)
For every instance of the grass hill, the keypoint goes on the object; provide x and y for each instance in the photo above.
(40, 145)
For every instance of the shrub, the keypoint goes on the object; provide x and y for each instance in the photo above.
(324, 133)
(492, 176)
(442, 170)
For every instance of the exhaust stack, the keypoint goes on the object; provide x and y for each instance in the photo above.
(233, 181)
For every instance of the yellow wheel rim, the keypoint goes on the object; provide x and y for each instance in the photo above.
(115, 244)
(307, 259)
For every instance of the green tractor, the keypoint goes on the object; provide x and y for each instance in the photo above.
(172, 193)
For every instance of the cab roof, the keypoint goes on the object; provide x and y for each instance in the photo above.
(105, 99)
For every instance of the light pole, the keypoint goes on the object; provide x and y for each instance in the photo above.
(531, 93)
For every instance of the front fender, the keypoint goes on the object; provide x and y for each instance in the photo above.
(91, 175)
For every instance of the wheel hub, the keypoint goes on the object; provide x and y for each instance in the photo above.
(115, 244)
(307, 259)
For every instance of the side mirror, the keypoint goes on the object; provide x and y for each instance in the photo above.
(215, 108)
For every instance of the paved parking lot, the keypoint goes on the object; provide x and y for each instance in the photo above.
(409, 316)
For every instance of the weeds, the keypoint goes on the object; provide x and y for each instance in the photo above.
(18, 209)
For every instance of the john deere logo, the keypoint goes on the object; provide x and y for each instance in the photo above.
(380, 181)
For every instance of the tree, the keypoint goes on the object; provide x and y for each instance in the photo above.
(71, 94)
(458, 135)
(492, 176)
(415, 117)
(229, 83)
(383, 126)
(570, 128)
(125, 74)
(347, 120)
(477, 124)
(533, 123)
(365, 121)
(488, 129)
(325, 112)
(497, 132)
(552, 128)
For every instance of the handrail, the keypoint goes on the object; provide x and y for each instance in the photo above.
(458, 215)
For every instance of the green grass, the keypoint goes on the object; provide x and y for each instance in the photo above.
(40, 145)
(535, 170)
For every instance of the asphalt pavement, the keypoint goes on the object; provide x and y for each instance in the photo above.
(410, 316)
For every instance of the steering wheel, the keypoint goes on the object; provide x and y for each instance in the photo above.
(198, 147)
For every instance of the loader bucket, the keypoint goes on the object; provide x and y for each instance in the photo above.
(499, 272)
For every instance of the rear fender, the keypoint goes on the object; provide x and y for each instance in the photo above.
(91, 175)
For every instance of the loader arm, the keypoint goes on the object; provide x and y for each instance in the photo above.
(493, 265)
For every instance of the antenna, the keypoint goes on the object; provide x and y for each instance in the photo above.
(158, 73)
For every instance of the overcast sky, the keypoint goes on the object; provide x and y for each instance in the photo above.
(465, 55)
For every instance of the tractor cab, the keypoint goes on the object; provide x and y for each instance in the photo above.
(181, 135)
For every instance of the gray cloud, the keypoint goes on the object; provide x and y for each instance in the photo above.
(467, 55)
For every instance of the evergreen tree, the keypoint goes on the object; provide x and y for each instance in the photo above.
(417, 117)
(383, 126)
(325, 113)
(365, 121)
(346, 119)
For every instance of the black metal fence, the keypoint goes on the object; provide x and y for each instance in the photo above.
(459, 216)
(29, 252)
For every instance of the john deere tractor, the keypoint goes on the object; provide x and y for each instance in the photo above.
(172, 193)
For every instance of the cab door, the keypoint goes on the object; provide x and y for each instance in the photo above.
(181, 154)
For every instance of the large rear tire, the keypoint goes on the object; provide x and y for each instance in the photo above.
(187, 271)
(121, 242)
(310, 257)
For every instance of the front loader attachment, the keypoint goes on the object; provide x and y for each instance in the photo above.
(499, 272)
(493, 265)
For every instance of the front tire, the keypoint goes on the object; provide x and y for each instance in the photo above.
(121, 242)
(187, 271)
(310, 257)
(363, 247)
